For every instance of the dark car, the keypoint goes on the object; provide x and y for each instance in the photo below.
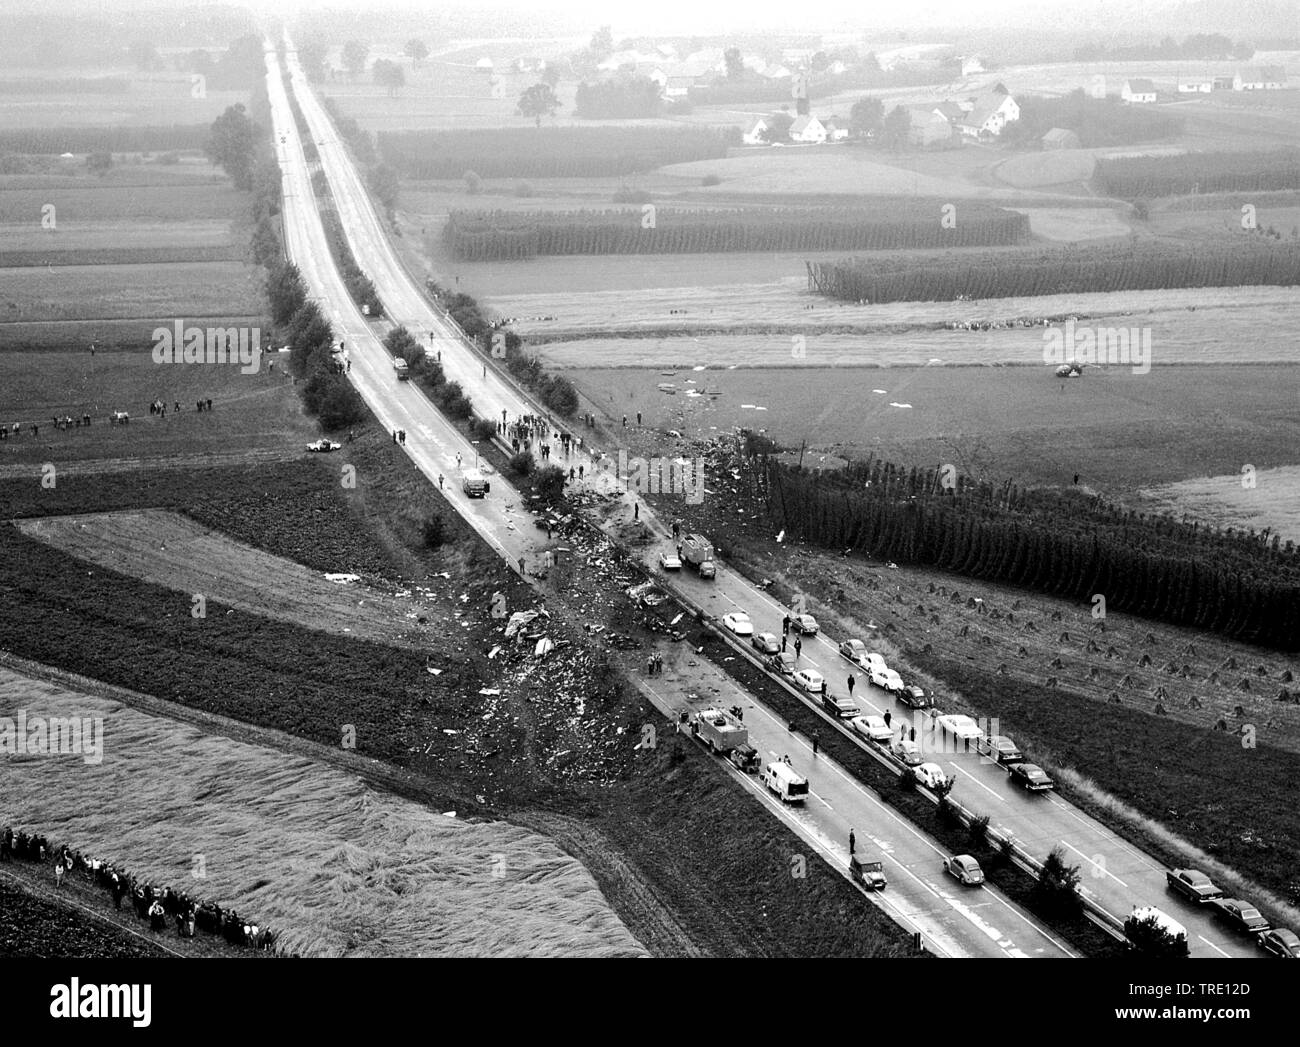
(1000, 748)
(1031, 777)
(913, 697)
(1193, 885)
(1239, 914)
(1281, 942)
(782, 662)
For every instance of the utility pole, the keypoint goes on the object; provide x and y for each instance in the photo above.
(803, 446)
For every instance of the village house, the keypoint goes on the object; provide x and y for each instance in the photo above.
(837, 129)
(951, 111)
(1138, 92)
(972, 64)
(1196, 85)
(807, 130)
(990, 114)
(1260, 78)
(756, 135)
(927, 127)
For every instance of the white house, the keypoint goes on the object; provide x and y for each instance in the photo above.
(655, 73)
(1260, 78)
(837, 129)
(754, 136)
(971, 65)
(837, 68)
(1138, 92)
(951, 111)
(808, 130)
(678, 86)
(775, 72)
(484, 64)
(990, 114)
(1196, 86)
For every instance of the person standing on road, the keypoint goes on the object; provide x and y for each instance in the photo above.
(888, 716)
(636, 510)
(817, 741)
(457, 459)
(853, 842)
(798, 646)
(784, 638)
(850, 685)
(785, 625)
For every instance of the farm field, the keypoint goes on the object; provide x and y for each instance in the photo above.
(129, 193)
(1272, 503)
(165, 291)
(1117, 430)
(178, 553)
(251, 414)
(160, 100)
(1250, 323)
(334, 867)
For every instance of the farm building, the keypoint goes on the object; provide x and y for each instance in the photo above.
(1227, 83)
(1196, 85)
(679, 86)
(654, 73)
(756, 134)
(808, 130)
(927, 127)
(1060, 138)
(837, 128)
(950, 111)
(971, 65)
(990, 114)
(775, 72)
(1138, 92)
(484, 64)
(1260, 78)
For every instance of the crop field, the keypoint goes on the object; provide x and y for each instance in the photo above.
(332, 866)
(137, 197)
(1271, 502)
(251, 414)
(166, 292)
(1155, 176)
(180, 554)
(1237, 323)
(1117, 430)
(160, 101)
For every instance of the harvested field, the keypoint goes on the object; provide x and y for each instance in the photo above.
(1271, 503)
(175, 552)
(332, 866)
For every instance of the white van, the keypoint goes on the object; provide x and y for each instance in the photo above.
(787, 783)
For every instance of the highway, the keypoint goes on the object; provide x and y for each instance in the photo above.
(1116, 875)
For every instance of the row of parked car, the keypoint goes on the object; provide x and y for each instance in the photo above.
(1199, 889)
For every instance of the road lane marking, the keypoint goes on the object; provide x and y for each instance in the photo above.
(1096, 864)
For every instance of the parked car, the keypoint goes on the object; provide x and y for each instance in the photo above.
(1239, 914)
(999, 748)
(766, 643)
(670, 561)
(930, 775)
(1032, 777)
(323, 446)
(908, 752)
(883, 676)
(965, 868)
(856, 652)
(1281, 942)
(804, 624)
(869, 873)
(962, 728)
(810, 680)
(913, 697)
(782, 662)
(840, 705)
(1193, 885)
(738, 622)
(873, 728)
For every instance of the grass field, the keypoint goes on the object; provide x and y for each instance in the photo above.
(158, 100)
(175, 290)
(1118, 431)
(1272, 502)
(333, 867)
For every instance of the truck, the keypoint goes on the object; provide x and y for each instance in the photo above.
(403, 372)
(719, 731)
(697, 553)
(475, 484)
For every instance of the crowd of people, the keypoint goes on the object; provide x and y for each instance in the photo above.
(11, 431)
(160, 906)
(531, 430)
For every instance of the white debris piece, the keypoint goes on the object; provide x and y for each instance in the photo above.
(342, 579)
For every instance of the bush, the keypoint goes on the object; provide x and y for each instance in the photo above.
(1150, 939)
(433, 531)
(626, 195)
(1058, 885)
(482, 428)
(169, 159)
(473, 183)
(549, 483)
(523, 189)
(948, 812)
(522, 463)
(907, 780)
(978, 830)
(711, 179)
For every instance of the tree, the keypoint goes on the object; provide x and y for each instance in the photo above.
(538, 101)
(551, 74)
(416, 50)
(390, 75)
(867, 117)
(735, 63)
(1058, 884)
(433, 531)
(232, 144)
(473, 183)
(896, 128)
(549, 483)
(522, 463)
(385, 185)
(1149, 938)
(99, 163)
(312, 53)
(355, 54)
(602, 42)
(778, 127)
